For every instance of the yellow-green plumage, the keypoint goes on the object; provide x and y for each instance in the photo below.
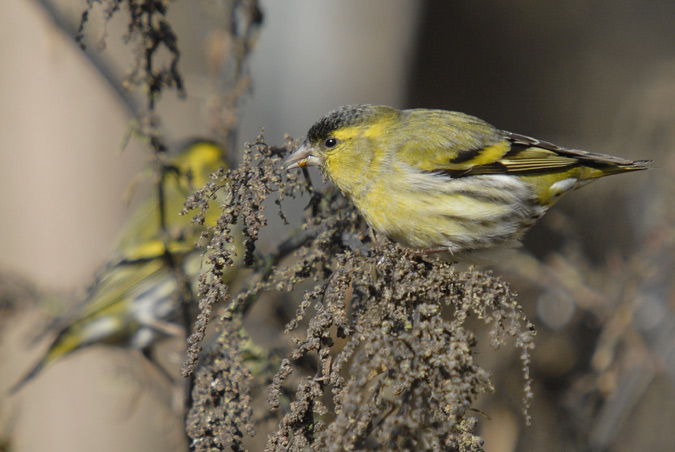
(134, 300)
(447, 181)
(189, 170)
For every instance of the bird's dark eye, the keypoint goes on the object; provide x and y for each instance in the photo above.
(330, 142)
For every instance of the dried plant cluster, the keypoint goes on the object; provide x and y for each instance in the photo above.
(152, 34)
(391, 357)
(246, 187)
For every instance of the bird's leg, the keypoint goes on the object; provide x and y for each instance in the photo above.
(371, 232)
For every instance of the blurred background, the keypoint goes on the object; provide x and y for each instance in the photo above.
(597, 279)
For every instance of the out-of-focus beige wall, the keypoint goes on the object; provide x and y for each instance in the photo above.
(62, 178)
(61, 174)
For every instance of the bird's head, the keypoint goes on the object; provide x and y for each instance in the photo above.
(345, 142)
(341, 131)
(195, 162)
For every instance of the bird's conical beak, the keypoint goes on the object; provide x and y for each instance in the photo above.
(303, 156)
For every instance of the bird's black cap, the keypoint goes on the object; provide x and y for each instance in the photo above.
(340, 117)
